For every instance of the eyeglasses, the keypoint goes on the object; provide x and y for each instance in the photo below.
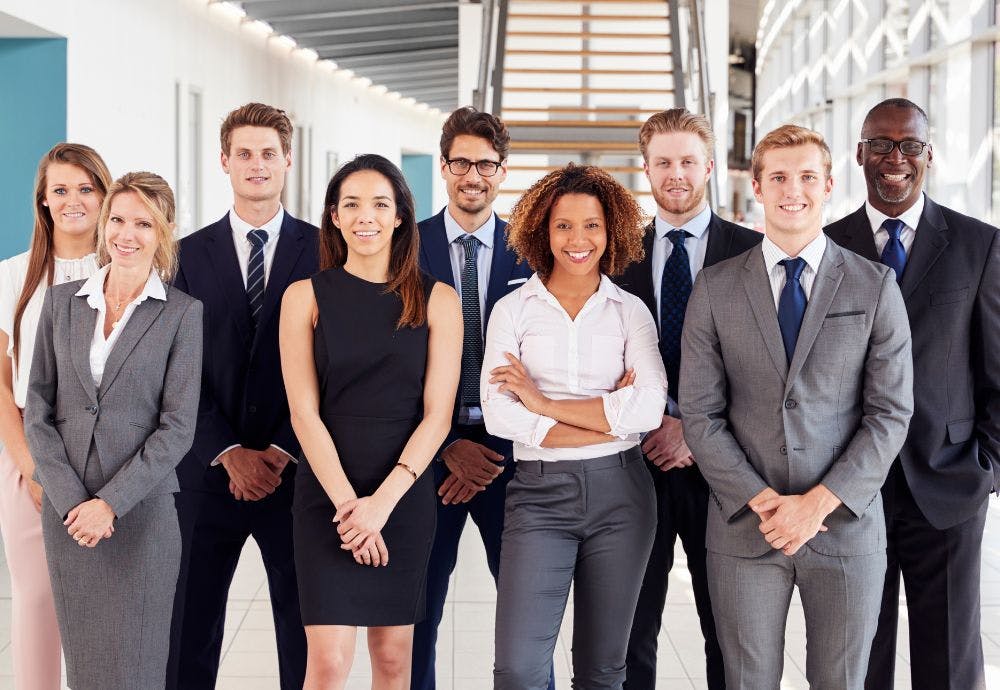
(460, 166)
(884, 147)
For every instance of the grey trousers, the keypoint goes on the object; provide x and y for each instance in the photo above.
(840, 599)
(589, 523)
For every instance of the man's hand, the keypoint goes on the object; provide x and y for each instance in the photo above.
(251, 476)
(473, 464)
(759, 500)
(276, 458)
(665, 446)
(454, 490)
(795, 519)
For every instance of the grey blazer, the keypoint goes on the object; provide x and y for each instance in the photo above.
(141, 420)
(837, 415)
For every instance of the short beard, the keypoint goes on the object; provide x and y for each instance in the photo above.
(887, 196)
(675, 206)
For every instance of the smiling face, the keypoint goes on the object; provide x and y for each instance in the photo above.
(678, 170)
(578, 235)
(472, 193)
(130, 235)
(894, 181)
(792, 188)
(73, 200)
(255, 164)
(366, 213)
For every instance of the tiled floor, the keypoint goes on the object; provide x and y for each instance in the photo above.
(465, 650)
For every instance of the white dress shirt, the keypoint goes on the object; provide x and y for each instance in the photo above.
(93, 290)
(574, 359)
(484, 255)
(696, 246)
(813, 255)
(243, 246)
(911, 217)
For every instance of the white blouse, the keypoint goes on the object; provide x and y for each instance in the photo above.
(93, 290)
(13, 271)
(574, 359)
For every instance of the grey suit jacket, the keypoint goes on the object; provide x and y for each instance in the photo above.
(140, 421)
(837, 415)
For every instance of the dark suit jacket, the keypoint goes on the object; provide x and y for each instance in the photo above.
(506, 275)
(725, 240)
(951, 287)
(243, 397)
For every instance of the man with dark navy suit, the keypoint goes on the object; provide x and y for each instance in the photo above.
(948, 268)
(677, 150)
(464, 246)
(237, 480)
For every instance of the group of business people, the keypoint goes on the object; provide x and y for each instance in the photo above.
(802, 408)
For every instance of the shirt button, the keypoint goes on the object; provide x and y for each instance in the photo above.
(790, 404)
(783, 450)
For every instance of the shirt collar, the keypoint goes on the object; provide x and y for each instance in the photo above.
(910, 216)
(812, 253)
(93, 289)
(697, 226)
(241, 227)
(484, 233)
(606, 290)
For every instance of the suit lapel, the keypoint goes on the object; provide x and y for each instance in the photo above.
(719, 241)
(435, 248)
(290, 245)
(929, 241)
(858, 235)
(643, 285)
(820, 298)
(83, 320)
(226, 268)
(758, 290)
(136, 326)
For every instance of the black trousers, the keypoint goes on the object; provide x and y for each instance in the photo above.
(682, 511)
(941, 579)
(214, 529)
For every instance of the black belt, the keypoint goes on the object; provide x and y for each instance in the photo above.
(588, 465)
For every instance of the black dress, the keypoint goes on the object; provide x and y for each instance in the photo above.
(371, 385)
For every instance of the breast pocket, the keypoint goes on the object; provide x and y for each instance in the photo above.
(538, 353)
(606, 363)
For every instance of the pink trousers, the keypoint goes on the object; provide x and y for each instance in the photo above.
(35, 644)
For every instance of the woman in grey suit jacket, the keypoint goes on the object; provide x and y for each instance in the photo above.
(111, 409)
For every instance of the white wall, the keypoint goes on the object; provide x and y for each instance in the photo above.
(126, 58)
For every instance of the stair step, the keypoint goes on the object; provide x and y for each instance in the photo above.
(584, 34)
(519, 192)
(596, 124)
(558, 70)
(575, 110)
(587, 53)
(590, 17)
(550, 168)
(627, 146)
(574, 89)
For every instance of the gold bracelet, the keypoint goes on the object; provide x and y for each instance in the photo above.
(408, 469)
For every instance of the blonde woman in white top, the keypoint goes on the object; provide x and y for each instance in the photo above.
(69, 188)
(573, 376)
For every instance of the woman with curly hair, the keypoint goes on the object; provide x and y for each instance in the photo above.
(572, 375)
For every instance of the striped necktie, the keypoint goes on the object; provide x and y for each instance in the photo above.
(255, 272)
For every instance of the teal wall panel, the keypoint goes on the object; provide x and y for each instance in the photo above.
(418, 169)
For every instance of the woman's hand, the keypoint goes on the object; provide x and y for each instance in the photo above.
(90, 522)
(372, 551)
(514, 378)
(360, 520)
(627, 379)
(35, 490)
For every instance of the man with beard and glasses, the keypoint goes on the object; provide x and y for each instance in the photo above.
(677, 149)
(948, 268)
(464, 246)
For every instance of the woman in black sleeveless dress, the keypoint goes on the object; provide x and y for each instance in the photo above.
(370, 352)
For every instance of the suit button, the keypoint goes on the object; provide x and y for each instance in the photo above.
(783, 450)
(92, 409)
(790, 404)
(252, 409)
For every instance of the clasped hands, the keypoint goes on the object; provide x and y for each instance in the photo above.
(359, 523)
(90, 521)
(253, 474)
(788, 522)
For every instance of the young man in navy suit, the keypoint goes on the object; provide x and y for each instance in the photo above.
(236, 482)
(677, 150)
(464, 246)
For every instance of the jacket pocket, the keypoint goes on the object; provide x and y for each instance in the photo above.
(960, 431)
(949, 296)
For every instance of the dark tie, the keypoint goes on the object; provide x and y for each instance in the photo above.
(472, 344)
(255, 272)
(791, 304)
(894, 254)
(675, 289)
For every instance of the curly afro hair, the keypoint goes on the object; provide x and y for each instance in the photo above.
(528, 229)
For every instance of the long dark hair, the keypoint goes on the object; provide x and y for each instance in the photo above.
(404, 269)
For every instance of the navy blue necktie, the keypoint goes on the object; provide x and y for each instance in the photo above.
(894, 254)
(675, 289)
(472, 343)
(791, 304)
(255, 272)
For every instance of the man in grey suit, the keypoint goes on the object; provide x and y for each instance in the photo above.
(795, 394)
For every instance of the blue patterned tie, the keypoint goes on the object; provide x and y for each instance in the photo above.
(472, 344)
(675, 289)
(894, 254)
(255, 272)
(791, 304)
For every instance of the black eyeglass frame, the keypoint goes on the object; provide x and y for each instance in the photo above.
(895, 144)
(467, 164)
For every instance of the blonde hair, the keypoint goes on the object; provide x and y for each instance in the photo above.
(789, 136)
(677, 120)
(156, 195)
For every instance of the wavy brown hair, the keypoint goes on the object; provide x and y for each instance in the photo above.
(256, 115)
(404, 277)
(41, 257)
(528, 229)
(156, 195)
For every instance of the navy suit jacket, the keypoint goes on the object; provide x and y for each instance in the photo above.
(243, 398)
(951, 287)
(506, 275)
